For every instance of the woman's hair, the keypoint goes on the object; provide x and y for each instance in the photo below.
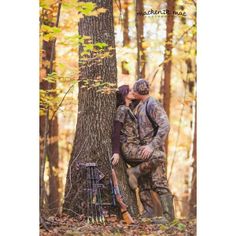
(121, 94)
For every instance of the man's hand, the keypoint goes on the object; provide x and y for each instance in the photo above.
(146, 151)
(115, 159)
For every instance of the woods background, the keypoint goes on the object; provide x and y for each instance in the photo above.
(161, 48)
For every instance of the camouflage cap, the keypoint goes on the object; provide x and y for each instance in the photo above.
(141, 86)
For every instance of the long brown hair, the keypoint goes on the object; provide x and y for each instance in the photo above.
(121, 94)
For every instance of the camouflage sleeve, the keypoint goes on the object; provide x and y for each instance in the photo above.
(159, 115)
(121, 113)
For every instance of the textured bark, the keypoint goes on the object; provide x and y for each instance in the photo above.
(52, 147)
(53, 158)
(168, 59)
(50, 129)
(92, 141)
(141, 57)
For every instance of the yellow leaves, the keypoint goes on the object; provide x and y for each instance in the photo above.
(46, 4)
(50, 29)
(144, 45)
(49, 33)
(97, 12)
(89, 9)
(93, 13)
(101, 10)
(105, 54)
(42, 112)
(49, 100)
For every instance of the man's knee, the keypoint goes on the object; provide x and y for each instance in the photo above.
(157, 158)
(158, 155)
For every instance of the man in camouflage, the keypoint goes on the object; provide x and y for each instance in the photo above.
(148, 112)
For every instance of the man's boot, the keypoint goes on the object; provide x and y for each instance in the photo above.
(146, 199)
(135, 172)
(167, 208)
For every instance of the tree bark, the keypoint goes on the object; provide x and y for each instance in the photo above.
(126, 38)
(141, 57)
(193, 194)
(96, 110)
(168, 60)
(50, 127)
(52, 146)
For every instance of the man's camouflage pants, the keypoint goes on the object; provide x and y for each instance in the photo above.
(155, 180)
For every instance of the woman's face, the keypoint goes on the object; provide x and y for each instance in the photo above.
(130, 95)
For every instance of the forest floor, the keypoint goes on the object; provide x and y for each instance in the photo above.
(69, 226)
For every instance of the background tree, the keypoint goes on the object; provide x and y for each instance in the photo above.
(168, 59)
(141, 57)
(193, 194)
(92, 143)
(49, 125)
(126, 38)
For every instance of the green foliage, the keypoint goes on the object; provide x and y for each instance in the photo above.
(51, 78)
(86, 7)
(163, 227)
(181, 226)
(101, 45)
(49, 33)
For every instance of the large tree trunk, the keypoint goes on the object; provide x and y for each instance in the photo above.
(168, 59)
(141, 57)
(96, 110)
(49, 128)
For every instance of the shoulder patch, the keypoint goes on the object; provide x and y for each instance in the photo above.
(121, 113)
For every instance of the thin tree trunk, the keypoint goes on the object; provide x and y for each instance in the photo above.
(53, 154)
(141, 57)
(126, 38)
(43, 154)
(168, 59)
(50, 127)
(193, 194)
(96, 110)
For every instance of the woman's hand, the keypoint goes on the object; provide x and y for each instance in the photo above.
(115, 159)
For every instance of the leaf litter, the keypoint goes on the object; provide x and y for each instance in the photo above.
(72, 226)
